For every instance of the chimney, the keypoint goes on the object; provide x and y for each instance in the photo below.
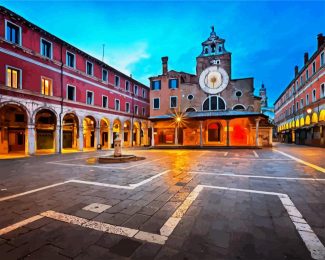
(296, 71)
(305, 58)
(320, 40)
(164, 65)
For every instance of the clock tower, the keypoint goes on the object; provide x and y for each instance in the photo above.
(213, 54)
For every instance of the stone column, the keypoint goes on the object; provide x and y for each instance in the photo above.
(152, 135)
(201, 134)
(31, 139)
(58, 139)
(81, 139)
(131, 135)
(97, 136)
(257, 120)
(176, 135)
(122, 136)
(228, 139)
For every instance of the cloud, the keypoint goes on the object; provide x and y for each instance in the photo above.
(125, 58)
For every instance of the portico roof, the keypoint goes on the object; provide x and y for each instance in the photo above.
(211, 114)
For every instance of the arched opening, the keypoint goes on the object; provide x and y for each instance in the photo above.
(127, 134)
(297, 123)
(13, 129)
(89, 126)
(70, 131)
(136, 134)
(45, 125)
(104, 133)
(116, 129)
(307, 121)
(314, 118)
(214, 103)
(214, 132)
(302, 121)
(190, 109)
(238, 107)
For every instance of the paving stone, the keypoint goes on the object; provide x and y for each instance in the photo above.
(125, 247)
(48, 252)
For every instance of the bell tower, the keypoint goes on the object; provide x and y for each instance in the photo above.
(213, 53)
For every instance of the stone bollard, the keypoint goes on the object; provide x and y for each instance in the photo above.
(117, 148)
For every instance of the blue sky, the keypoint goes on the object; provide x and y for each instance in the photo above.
(267, 39)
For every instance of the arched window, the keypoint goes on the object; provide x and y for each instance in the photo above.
(214, 103)
(238, 107)
(190, 109)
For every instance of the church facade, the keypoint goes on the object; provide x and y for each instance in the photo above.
(209, 108)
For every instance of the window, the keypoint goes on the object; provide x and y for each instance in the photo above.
(71, 93)
(307, 74)
(117, 81)
(173, 102)
(135, 90)
(156, 103)
(127, 107)
(173, 83)
(105, 101)
(105, 75)
(156, 85)
(314, 95)
(239, 93)
(238, 107)
(314, 67)
(301, 103)
(89, 68)
(127, 86)
(70, 60)
(214, 103)
(301, 81)
(143, 111)
(13, 33)
(190, 97)
(46, 48)
(293, 108)
(297, 106)
(136, 110)
(90, 98)
(296, 85)
(307, 100)
(46, 86)
(13, 77)
(322, 59)
(117, 105)
(144, 93)
(322, 90)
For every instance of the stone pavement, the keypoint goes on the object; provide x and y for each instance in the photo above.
(176, 204)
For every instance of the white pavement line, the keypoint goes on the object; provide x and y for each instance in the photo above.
(19, 224)
(310, 239)
(100, 184)
(255, 154)
(172, 222)
(31, 191)
(313, 244)
(73, 159)
(104, 166)
(225, 154)
(257, 176)
(104, 227)
(316, 167)
(135, 185)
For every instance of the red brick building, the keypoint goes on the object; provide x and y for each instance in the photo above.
(300, 109)
(55, 97)
(209, 108)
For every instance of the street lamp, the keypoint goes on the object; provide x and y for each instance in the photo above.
(309, 111)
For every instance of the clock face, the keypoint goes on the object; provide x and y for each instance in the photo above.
(213, 80)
